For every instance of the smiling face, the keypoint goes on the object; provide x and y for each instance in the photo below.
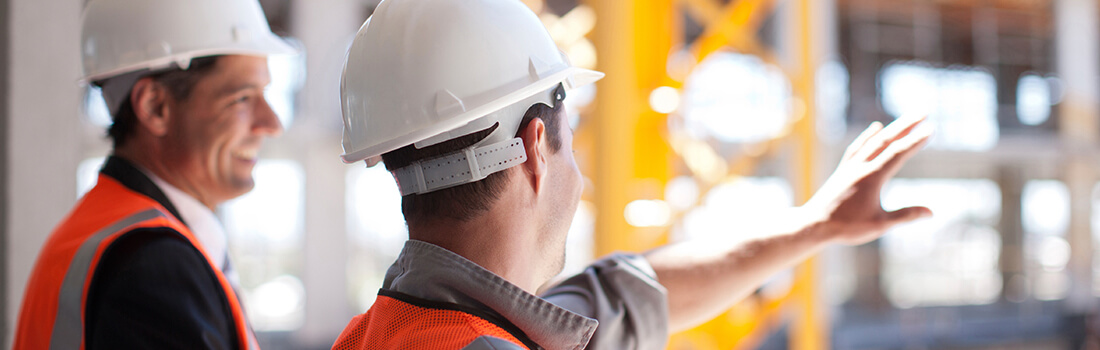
(214, 135)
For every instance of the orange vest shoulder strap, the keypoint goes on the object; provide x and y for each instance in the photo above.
(399, 321)
(53, 306)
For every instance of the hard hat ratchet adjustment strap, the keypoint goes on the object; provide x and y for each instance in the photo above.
(468, 165)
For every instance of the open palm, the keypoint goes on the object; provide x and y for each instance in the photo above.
(850, 199)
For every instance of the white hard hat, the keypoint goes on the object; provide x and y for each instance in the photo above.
(126, 36)
(420, 72)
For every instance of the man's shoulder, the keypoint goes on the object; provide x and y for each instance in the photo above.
(152, 251)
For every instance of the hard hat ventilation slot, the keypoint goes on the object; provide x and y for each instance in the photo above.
(468, 165)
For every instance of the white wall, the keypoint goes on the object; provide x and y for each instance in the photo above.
(43, 131)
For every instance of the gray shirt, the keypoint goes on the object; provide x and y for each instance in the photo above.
(616, 303)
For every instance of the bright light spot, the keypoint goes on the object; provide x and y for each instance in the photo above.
(573, 25)
(736, 98)
(648, 213)
(1032, 100)
(680, 64)
(1051, 285)
(751, 204)
(832, 100)
(951, 258)
(287, 75)
(682, 192)
(272, 212)
(1045, 207)
(961, 102)
(908, 88)
(87, 174)
(374, 209)
(1053, 253)
(95, 108)
(701, 158)
(582, 53)
(664, 99)
(276, 303)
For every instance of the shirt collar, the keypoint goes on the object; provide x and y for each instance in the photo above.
(204, 224)
(428, 271)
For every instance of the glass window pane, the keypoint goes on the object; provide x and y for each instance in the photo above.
(1045, 210)
(951, 258)
(736, 98)
(960, 101)
(265, 235)
(376, 228)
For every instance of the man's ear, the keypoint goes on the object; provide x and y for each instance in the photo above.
(149, 101)
(534, 143)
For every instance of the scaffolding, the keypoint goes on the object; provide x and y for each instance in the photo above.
(634, 149)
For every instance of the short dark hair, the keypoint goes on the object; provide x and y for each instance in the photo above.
(179, 83)
(465, 202)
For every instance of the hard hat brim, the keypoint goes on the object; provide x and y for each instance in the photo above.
(571, 78)
(264, 45)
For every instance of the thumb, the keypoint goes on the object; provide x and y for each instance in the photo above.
(905, 215)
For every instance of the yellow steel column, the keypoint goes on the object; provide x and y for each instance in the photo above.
(617, 106)
(632, 41)
(808, 331)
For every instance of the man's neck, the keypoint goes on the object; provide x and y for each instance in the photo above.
(504, 240)
(149, 158)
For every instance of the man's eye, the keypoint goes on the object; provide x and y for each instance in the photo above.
(242, 99)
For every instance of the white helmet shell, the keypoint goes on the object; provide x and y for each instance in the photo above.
(122, 36)
(425, 71)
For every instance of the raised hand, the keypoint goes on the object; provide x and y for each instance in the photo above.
(849, 201)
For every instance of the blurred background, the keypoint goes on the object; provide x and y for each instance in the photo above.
(715, 115)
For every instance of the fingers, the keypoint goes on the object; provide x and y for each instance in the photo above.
(861, 140)
(893, 132)
(901, 150)
(905, 215)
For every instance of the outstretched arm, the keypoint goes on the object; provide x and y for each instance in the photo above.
(705, 277)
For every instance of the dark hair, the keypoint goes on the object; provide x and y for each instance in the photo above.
(467, 201)
(179, 83)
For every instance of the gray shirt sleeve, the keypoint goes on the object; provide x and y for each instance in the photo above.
(622, 293)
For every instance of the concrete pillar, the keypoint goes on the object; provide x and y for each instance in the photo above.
(325, 28)
(1012, 260)
(1077, 57)
(4, 319)
(43, 130)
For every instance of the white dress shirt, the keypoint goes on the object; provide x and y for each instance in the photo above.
(204, 224)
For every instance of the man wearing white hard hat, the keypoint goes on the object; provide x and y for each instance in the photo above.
(140, 262)
(462, 101)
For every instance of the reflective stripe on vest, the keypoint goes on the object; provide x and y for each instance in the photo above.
(68, 327)
(395, 324)
(52, 314)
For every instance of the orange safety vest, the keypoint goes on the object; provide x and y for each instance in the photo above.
(52, 316)
(396, 324)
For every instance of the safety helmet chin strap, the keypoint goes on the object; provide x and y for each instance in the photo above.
(498, 151)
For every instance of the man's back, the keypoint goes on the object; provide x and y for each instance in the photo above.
(433, 294)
